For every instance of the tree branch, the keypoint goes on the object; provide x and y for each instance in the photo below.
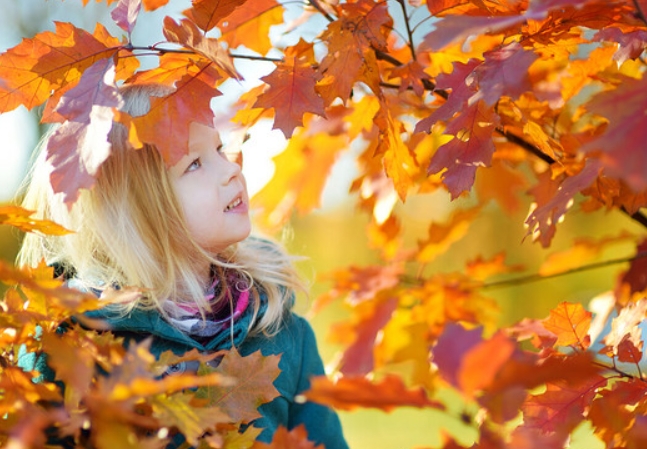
(315, 4)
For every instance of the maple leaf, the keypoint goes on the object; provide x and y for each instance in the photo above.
(348, 393)
(551, 207)
(186, 33)
(630, 44)
(452, 29)
(167, 123)
(291, 92)
(294, 187)
(441, 237)
(250, 26)
(412, 75)
(504, 73)
(399, 160)
(22, 219)
(472, 147)
(570, 322)
(358, 359)
(206, 14)
(561, 406)
(47, 62)
(352, 40)
(79, 146)
(180, 410)
(620, 144)
(254, 376)
(452, 344)
(125, 14)
(633, 280)
(283, 438)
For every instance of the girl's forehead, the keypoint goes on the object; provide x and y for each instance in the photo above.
(203, 137)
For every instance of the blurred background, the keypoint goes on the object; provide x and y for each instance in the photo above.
(334, 236)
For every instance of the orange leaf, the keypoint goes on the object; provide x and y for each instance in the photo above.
(296, 438)
(206, 14)
(47, 62)
(571, 323)
(250, 26)
(291, 92)
(20, 218)
(350, 393)
(167, 123)
(441, 237)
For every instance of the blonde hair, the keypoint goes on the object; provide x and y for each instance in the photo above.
(129, 230)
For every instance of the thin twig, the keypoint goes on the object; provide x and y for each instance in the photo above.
(539, 277)
(409, 32)
(315, 4)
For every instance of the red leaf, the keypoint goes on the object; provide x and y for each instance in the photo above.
(350, 393)
(452, 344)
(631, 44)
(542, 221)
(125, 14)
(358, 357)
(471, 148)
(454, 28)
(291, 91)
(635, 278)
(621, 144)
(462, 88)
(504, 73)
(562, 406)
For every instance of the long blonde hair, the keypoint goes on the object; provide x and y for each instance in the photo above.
(129, 230)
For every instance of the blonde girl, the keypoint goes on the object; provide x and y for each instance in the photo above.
(181, 235)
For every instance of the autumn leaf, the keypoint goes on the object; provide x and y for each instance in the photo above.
(167, 123)
(251, 26)
(125, 14)
(283, 438)
(206, 14)
(543, 219)
(254, 376)
(49, 61)
(22, 219)
(621, 155)
(186, 33)
(442, 236)
(291, 92)
(570, 323)
(633, 280)
(348, 393)
(471, 148)
(561, 405)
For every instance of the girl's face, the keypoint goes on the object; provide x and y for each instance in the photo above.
(212, 192)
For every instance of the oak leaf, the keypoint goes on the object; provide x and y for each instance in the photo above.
(570, 322)
(125, 14)
(348, 393)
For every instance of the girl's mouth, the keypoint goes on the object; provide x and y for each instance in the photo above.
(233, 204)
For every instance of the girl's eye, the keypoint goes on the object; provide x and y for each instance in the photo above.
(196, 164)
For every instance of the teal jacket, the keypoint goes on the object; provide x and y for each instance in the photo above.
(300, 360)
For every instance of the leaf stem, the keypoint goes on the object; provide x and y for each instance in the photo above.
(409, 32)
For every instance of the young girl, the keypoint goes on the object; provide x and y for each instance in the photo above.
(181, 235)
